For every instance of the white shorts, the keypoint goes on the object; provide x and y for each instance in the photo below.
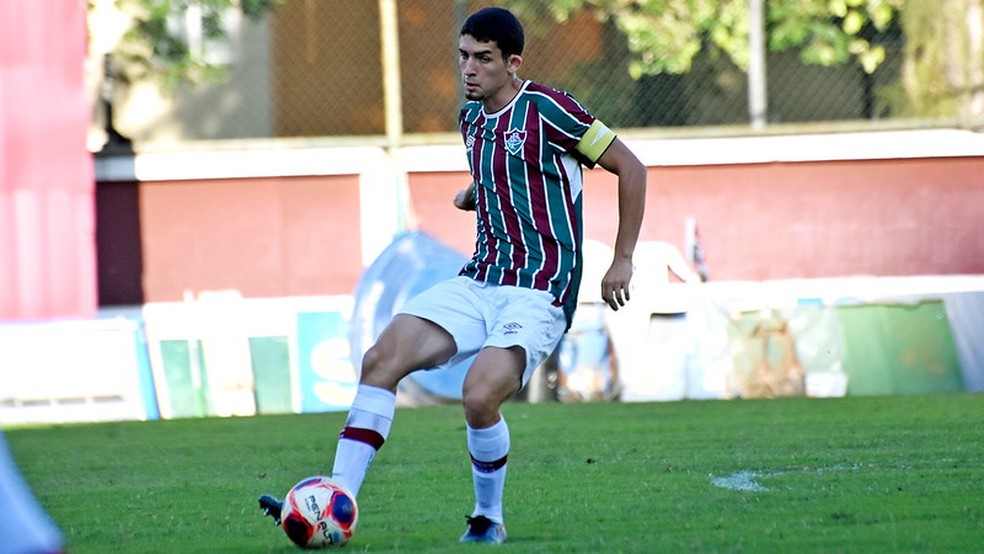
(478, 314)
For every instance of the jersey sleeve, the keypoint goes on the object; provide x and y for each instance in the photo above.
(571, 129)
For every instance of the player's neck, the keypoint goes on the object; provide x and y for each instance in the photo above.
(504, 96)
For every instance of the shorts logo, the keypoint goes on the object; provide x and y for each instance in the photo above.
(512, 328)
(514, 141)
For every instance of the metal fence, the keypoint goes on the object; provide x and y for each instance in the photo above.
(315, 68)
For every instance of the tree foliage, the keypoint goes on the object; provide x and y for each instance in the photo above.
(664, 36)
(943, 70)
(155, 47)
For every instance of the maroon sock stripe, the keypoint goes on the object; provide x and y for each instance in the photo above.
(368, 436)
(489, 467)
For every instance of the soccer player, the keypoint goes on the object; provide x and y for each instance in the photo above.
(514, 299)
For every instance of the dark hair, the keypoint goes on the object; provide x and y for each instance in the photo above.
(496, 25)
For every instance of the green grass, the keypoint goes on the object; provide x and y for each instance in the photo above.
(901, 474)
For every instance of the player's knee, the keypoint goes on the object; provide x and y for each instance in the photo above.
(478, 413)
(378, 368)
(481, 405)
(474, 398)
(371, 360)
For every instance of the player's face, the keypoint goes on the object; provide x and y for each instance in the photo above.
(484, 73)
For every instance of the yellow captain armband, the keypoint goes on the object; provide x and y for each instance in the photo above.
(596, 140)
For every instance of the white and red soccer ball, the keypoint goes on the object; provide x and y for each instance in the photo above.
(317, 513)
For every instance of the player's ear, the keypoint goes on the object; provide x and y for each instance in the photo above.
(513, 63)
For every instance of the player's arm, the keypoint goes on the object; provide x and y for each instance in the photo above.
(465, 198)
(631, 173)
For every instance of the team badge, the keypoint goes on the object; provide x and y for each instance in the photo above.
(514, 141)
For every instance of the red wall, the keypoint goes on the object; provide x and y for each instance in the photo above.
(829, 219)
(287, 236)
(47, 245)
(782, 220)
(297, 236)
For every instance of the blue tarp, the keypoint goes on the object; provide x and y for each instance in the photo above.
(411, 264)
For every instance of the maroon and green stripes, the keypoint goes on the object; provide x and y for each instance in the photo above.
(529, 189)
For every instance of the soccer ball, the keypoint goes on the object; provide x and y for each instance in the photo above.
(318, 513)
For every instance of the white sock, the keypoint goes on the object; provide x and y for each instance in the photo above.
(489, 450)
(366, 429)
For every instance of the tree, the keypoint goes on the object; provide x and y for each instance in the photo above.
(664, 36)
(943, 70)
(158, 45)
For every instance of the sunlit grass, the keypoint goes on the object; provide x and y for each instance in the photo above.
(902, 474)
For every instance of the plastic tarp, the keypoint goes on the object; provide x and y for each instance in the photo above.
(411, 264)
(966, 313)
(899, 349)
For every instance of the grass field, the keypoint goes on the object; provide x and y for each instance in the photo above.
(901, 474)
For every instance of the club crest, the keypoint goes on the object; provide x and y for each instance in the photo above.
(515, 140)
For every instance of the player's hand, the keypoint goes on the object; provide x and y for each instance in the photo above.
(615, 284)
(465, 198)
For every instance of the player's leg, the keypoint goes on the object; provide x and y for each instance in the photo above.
(407, 344)
(492, 379)
(526, 330)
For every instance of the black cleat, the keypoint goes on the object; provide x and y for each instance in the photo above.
(271, 507)
(484, 530)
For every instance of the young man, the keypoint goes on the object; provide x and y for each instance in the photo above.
(514, 299)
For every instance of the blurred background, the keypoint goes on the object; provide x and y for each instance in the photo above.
(210, 207)
(221, 69)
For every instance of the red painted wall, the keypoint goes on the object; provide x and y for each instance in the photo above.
(265, 237)
(47, 245)
(782, 220)
(297, 236)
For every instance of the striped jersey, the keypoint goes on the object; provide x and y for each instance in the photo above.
(525, 161)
